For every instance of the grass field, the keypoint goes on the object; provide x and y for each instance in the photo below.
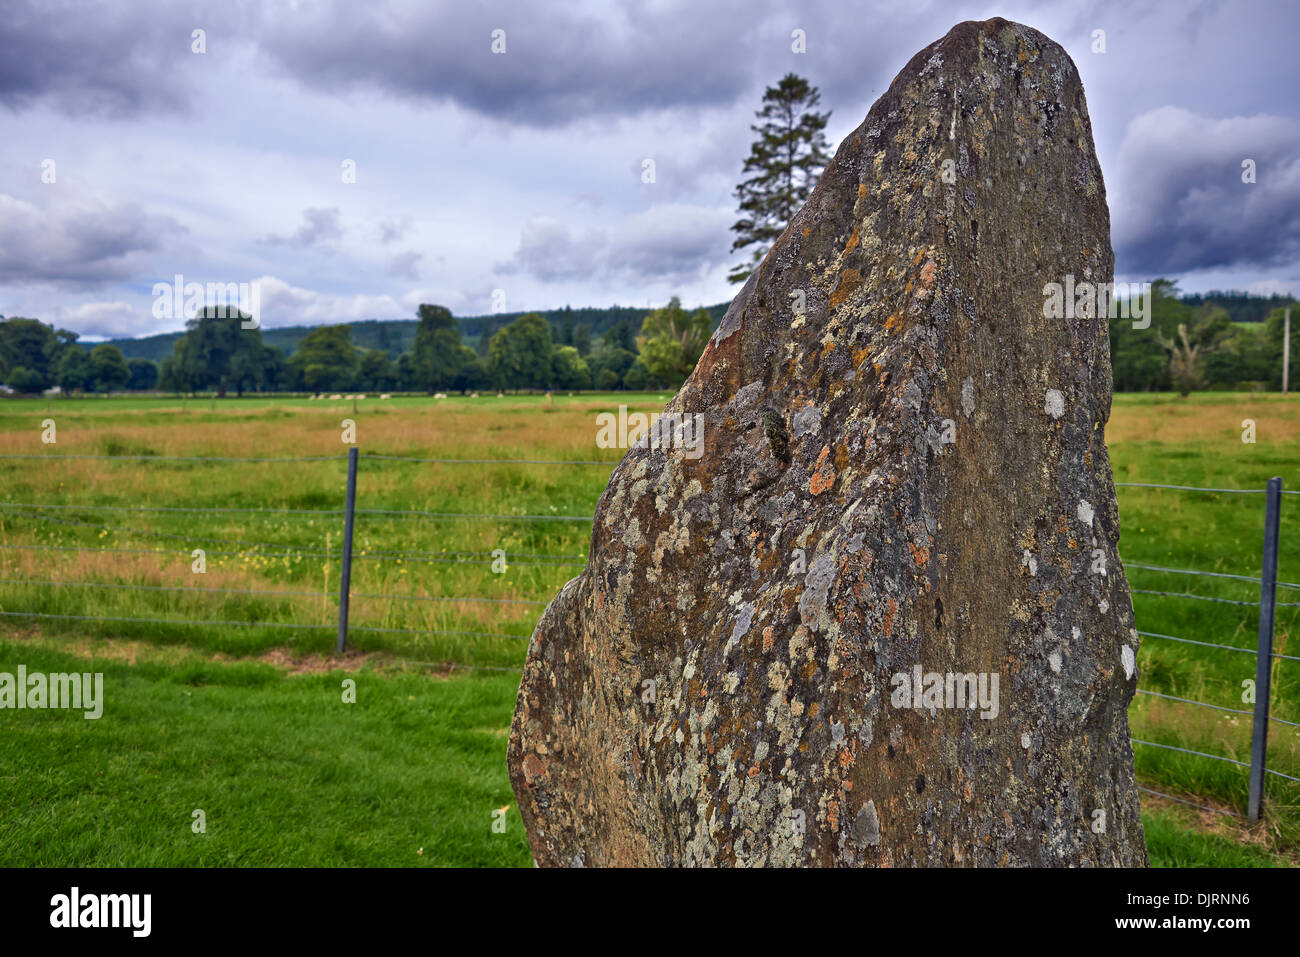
(246, 720)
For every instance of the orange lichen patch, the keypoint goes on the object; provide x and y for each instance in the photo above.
(807, 231)
(853, 241)
(824, 477)
(833, 815)
(1073, 543)
(920, 254)
(893, 322)
(850, 280)
(891, 608)
(859, 357)
(768, 640)
(828, 347)
(841, 457)
(753, 772)
(927, 274)
(814, 709)
(534, 769)
(846, 758)
(919, 555)
(862, 191)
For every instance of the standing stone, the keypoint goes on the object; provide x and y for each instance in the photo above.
(903, 477)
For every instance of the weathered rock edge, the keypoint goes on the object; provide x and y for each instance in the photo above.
(715, 687)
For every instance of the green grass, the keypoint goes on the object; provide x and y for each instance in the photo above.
(291, 776)
(286, 773)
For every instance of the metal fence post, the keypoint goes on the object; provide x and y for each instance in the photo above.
(1264, 656)
(345, 580)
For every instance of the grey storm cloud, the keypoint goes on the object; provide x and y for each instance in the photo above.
(79, 244)
(319, 226)
(1183, 204)
(559, 65)
(114, 59)
(669, 242)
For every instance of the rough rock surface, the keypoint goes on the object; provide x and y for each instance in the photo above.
(909, 472)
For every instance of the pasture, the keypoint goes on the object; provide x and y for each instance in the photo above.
(225, 694)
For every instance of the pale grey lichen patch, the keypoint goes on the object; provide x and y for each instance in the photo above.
(807, 421)
(1085, 513)
(816, 584)
(968, 396)
(1054, 404)
(866, 826)
(743, 622)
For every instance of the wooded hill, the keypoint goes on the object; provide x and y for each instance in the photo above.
(396, 336)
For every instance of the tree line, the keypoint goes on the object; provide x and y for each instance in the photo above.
(35, 357)
(1192, 343)
(1195, 343)
(222, 350)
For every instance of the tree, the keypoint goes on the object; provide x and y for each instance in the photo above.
(436, 355)
(33, 346)
(786, 160)
(610, 360)
(582, 339)
(377, 372)
(568, 371)
(1138, 360)
(22, 379)
(108, 368)
(637, 376)
(531, 338)
(519, 355)
(74, 370)
(503, 362)
(472, 373)
(275, 372)
(672, 341)
(217, 351)
(143, 374)
(325, 360)
(405, 372)
(1184, 362)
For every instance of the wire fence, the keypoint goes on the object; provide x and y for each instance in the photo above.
(66, 516)
(1260, 714)
(41, 512)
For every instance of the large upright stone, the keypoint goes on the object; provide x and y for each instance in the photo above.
(903, 473)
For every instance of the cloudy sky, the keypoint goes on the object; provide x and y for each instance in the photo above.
(521, 171)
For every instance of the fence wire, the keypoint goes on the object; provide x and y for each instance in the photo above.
(34, 511)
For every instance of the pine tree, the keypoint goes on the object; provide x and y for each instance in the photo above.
(786, 160)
